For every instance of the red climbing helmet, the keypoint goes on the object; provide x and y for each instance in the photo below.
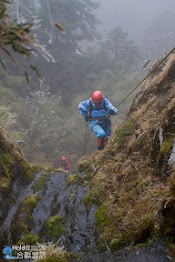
(97, 97)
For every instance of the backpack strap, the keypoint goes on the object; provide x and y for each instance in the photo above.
(91, 106)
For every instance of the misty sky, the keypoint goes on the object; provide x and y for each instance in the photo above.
(134, 16)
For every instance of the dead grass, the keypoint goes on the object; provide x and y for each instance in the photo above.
(52, 253)
(134, 174)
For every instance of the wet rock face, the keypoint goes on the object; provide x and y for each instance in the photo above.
(66, 202)
(156, 252)
(57, 198)
(20, 192)
(79, 222)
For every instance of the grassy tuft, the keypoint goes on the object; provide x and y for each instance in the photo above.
(167, 145)
(123, 132)
(119, 242)
(53, 228)
(29, 239)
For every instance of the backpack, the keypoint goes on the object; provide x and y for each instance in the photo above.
(91, 106)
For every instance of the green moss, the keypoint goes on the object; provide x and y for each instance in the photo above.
(119, 241)
(23, 221)
(87, 178)
(24, 166)
(101, 216)
(74, 179)
(89, 199)
(29, 239)
(79, 179)
(6, 170)
(19, 162)
(43, 166)
(41, 184)
(167, 145)
(27, 169)
(123, 132)
(31, 201)
(5, 163)
(53, 228)
(28, 205)
(95, 196)
(5, 184)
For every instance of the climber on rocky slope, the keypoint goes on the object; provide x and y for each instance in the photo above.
(98, 109)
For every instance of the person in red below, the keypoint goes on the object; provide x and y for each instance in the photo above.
(65, 163)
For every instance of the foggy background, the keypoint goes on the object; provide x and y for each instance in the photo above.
(134, 16)
(112, 55)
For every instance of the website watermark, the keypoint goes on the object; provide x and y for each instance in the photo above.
(24, 252)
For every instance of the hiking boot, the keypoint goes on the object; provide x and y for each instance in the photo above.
(101, 143)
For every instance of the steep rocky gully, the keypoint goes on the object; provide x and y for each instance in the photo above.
(118, 206)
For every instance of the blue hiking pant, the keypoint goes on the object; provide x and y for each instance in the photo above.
(102, 131)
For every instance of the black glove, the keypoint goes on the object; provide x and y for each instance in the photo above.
(111, 112)
(87, 118)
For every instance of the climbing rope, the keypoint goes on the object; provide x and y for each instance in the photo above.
(85, 138)
(154, 68)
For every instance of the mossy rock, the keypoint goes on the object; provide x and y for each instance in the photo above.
(23, 220)
(101, 216)
(29, 239)
(79, 179)
(74, 179)
(49, 167)
(12, 161)
(53, 228)
(31, 201)
(41, 184)
(5, 184)
(6, 163)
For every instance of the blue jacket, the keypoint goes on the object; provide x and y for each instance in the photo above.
(99, 111)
